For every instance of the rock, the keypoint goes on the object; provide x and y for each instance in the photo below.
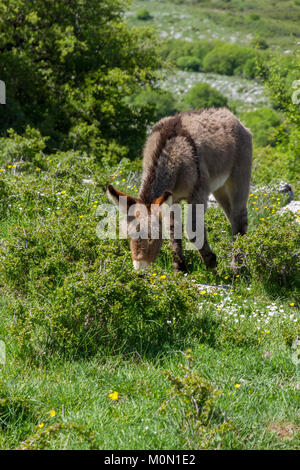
(293, 206)
(286, 188)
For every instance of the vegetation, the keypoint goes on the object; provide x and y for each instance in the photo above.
(143, 14)
(67, 86)
(98, 357)
(203, 96)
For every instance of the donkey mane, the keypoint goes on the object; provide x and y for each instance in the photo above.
(167, 129)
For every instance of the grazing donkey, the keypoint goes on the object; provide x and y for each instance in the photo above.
(188, 156)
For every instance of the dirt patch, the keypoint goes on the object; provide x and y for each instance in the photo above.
(285, 430)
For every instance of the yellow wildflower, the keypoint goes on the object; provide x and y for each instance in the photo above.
(237, 385)
(52, 413)
(114, 396)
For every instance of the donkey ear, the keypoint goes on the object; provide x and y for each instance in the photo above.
(165, 198)
(122, 200)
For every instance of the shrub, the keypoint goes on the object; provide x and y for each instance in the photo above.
(173, 49)
(254, 16)
(226, 58)
(263, 124)
(143, 14)
(204, 96)
(23, 148)
(271, 252)
(106, 307)
(195, 398)
(188, 63)
(162, 103)
(259, 43)
(249, 70)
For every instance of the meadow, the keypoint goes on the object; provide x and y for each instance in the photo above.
(96, 355)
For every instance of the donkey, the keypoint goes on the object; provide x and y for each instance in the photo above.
(187, 157)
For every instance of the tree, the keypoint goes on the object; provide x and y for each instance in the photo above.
(68, 65)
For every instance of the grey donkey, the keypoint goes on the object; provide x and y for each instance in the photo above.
(187, 157)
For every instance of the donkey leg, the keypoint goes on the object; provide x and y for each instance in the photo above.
(176, 244)
(238, 192)
(208, 256)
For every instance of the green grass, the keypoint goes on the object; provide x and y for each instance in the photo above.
(264, 410)
(241, 340)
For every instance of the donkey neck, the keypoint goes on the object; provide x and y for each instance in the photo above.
(157, 180)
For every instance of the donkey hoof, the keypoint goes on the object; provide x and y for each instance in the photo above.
(210, 261)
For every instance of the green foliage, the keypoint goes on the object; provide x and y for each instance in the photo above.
(194, 398)
(162, 103)
(23, 148)
(143, 14)
(254, 16)
(263, 124)
(271, 253)
(188, 63)
(174, 49)
(59, 81)
(42, 438)
(280, 76)
(204, 96)
(259, 43)
(226, 59)
(249, 69)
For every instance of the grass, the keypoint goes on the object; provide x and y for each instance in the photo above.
(264, 409)
(243, 348)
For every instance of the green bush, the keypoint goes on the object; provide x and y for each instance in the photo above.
(254, 16)
(271, 252)
(108, 308)
(227, 58)
(162, 103)
(204, 96)
(259, 43)
(23, 148)
(143, 14)
(188, 63)
(173, 49)
(249, 70)
(263, 123)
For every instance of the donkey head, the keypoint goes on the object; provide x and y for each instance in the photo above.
(144, 225)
